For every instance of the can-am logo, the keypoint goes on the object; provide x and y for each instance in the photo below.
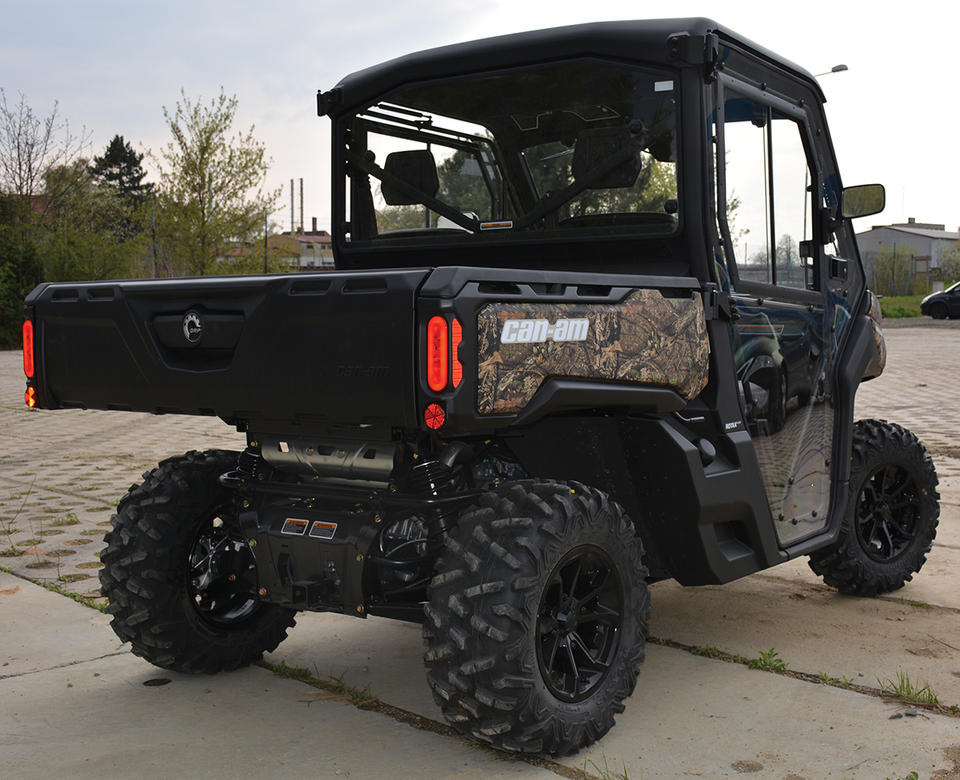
(537, 331)
(192, 326)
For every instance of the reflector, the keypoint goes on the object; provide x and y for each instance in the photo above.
(433, 416)
(457, 371)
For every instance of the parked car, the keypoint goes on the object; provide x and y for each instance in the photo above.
(943, 304)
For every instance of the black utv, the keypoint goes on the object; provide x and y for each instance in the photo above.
(598, 319)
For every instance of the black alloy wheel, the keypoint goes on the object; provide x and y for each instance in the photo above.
(889, 512)
(579, 624)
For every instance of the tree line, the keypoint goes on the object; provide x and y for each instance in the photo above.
(67, 214)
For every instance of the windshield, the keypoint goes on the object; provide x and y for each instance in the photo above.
(582, 148)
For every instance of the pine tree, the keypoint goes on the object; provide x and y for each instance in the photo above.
(120, 166)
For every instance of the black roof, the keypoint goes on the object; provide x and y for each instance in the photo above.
(658, 40)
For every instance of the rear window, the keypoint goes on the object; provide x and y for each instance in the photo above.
(582, 148)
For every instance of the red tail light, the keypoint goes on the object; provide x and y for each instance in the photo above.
(457, 365)
(437, 354)
(28, 349)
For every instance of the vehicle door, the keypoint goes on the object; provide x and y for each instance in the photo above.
(772, 267)
(953, 302)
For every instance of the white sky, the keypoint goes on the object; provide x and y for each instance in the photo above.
(113, 66)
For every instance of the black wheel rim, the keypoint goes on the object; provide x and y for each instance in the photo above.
(221, 576)
(889, 512)
(579, 624)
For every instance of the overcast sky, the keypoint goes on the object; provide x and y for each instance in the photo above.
(114, 65)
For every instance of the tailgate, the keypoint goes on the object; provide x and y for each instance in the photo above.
(326, 347)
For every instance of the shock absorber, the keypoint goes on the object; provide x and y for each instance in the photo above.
(249, 463)
(436, 478)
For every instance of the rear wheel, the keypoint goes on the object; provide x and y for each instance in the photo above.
(891, 516)
(181, 584)
(537, 618)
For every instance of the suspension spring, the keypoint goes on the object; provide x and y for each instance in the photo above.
(434, 478)
(248, 464)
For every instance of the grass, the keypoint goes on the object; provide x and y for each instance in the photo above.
(332, 684)
(898, 306)
(605, 773)
(913, 603)
(904, 689)
(708, 651)
(291, 672)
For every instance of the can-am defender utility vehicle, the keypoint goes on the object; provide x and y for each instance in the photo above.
(598, 319)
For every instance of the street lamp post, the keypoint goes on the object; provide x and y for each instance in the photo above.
(835, 69)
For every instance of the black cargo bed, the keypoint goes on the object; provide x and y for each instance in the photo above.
(305, 348)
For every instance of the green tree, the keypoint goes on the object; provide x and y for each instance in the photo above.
(889, 272)
(121, 167)
(948, 264)
(90, 234)
(211, 196)
(19, 269)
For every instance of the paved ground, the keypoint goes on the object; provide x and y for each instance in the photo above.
(60, 476)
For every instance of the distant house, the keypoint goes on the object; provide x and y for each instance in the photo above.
(315, 248)
(303, 251)
(912, 239)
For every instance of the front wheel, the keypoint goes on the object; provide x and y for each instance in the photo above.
(181, 584)
(891, 516)
(537, 618)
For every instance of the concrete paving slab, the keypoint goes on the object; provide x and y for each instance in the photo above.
(40, 630)
(690, 716)
(79, 711)
(695, 717)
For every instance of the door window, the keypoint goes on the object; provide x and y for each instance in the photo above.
(767, 182)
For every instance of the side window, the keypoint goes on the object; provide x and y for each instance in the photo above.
(767, 183)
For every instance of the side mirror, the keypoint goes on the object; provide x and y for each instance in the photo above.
(863, 200)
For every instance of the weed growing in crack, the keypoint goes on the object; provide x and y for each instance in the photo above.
(769, 661)
(708, 651)
(8, 527)
(605, 773)
(333, 684)
(903, 688)
(837, 682)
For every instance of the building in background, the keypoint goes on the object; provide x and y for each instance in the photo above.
(903, 259)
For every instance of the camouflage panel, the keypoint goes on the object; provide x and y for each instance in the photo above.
(646, 339)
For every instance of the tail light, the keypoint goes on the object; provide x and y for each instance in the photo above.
(28, 349)
(444, 369)
(437, 352)
(30, 395)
